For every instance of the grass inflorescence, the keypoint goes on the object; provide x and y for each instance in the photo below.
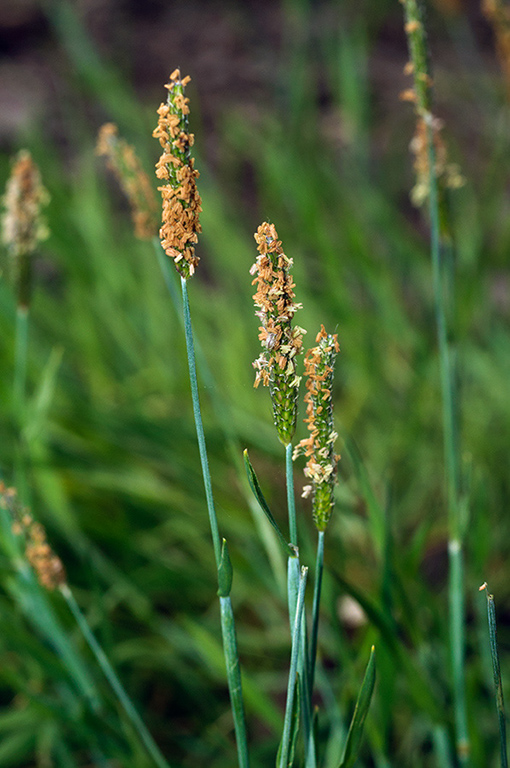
(148, 639)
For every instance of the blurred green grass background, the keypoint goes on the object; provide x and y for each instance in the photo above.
(320, 147)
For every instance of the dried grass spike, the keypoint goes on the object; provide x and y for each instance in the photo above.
(47, 565)
(181, 200)
(123, 161)
(23, 226)
(282, 342)
(319, 447)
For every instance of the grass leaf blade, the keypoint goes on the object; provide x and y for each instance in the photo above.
(257, 491)
(355, 734)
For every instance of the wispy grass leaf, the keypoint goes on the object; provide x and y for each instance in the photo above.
(255, 486)
(355, 734)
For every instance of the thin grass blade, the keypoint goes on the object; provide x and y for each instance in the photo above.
(498, 685)
(290, 551)
(353, 743)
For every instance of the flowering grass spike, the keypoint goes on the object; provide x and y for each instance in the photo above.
(276, 366)
(448, 174)
(319, 446)
(181, 200)
(121, 158)
(23, 227)
(48, 567)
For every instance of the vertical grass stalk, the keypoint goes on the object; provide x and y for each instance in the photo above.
(110, 674)
(20, 361)
(498, 685)
(190, 349)
(293, 671)
(450, 432)
(319, 569)
(437, 178)
(227, 616)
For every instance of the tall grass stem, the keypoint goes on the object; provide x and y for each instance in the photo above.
(234, 679)
(198, 423)
(20, 360)
(455, 553)
(319, 569)
(114, 681)
(227, 616)
(291, 498)
(498, 685)
(293, 671)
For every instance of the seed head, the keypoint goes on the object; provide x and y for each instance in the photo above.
(276, 366)
(319, 446)
(121, 158)
(428, 127)
(23, 226)
(47, 566)
(448, 175)
(175, 167)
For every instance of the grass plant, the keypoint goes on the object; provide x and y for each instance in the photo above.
(100, 434)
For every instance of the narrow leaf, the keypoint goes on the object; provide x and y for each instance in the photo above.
(224, 572)
(355, 734)
(290, 551)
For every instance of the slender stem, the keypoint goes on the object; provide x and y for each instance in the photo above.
(291, 499)
(291, 686)
(319, 568)
(456, 567)
(227, 616)
(500, 704)
(114, 681)
(198, 424)
(19, 399)
(293, 582)
(225, 418)
(20, 360)
(234, 678)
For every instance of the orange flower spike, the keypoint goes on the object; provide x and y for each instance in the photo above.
(47, 565)
(181, 200)
(123, 161)
(281, 341)
(319, 446)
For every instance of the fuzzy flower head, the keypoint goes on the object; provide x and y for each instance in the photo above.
(319, 447)
(175, 168)
(121, 158)
(282, 342)
(47, 566)
(428, 127)
(23, 227)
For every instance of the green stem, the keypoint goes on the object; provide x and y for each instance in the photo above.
(198, 424)
(500, 704)
(114, 681)
(20, 361)
(293, 589)
(291, 499)
(319, 568)
(294, 658)
(19, 400)
(225, 418)
(230, 648)
(234, 679)
(456, 586)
